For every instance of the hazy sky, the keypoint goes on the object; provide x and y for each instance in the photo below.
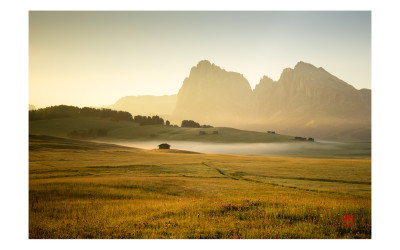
(95, 58)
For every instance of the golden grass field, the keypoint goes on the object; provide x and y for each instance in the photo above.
(83, 189)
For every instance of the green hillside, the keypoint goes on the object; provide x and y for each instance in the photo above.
(130, 130)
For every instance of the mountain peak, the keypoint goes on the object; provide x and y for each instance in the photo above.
(212, 92)
(266, 79)
(204, 63)
(304, 66)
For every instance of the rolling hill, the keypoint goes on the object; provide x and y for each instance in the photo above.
(132, 131)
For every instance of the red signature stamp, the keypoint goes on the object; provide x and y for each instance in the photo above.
(347, 220)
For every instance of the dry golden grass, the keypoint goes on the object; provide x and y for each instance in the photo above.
(87, 190)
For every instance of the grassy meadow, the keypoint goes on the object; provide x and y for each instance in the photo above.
(127, 130)
(80, 189)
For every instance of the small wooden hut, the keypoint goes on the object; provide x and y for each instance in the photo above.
(164, 146)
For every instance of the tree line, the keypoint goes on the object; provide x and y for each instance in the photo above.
(149, 120)
(193, 124)
(64, 111)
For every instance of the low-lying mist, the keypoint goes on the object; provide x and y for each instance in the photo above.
(299, 149)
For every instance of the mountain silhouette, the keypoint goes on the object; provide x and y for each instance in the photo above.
(305, 101)
(211, 93)
(146, 104)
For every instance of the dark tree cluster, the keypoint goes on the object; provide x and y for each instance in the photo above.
(193, 124)
(63, 111)
(190, 124)
(147, 120)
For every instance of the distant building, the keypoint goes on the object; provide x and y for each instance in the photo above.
(215, 132)
(164, 146)
(271, 132)
(202, 132)
(300, 138)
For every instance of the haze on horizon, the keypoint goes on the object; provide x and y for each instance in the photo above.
(95, 58)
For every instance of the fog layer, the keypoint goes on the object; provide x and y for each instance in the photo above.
(300, 149)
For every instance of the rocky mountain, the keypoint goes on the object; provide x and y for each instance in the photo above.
(307, 88)
(305, 101)
(146, 104)
(309, 100)
(211, 93)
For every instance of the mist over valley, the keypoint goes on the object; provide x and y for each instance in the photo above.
(324, 149)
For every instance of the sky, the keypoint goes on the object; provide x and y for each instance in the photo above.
(94, 58)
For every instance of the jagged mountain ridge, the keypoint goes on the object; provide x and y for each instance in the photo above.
(307, 87)
(305, 100)
(211, 92)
